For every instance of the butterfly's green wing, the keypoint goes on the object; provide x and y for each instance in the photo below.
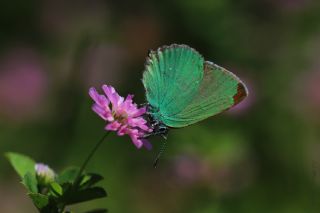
(219, 90)
(183, 89)
(172, 78)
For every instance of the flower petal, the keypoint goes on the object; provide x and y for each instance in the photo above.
(113, 126)
(146, 144)
(100, 111)
(138, 122)
(140, 112)
(113, 96)
(101, 100)
(125, 117)
(123, 130)
(134, 135)
(129, 98)
(137, 142)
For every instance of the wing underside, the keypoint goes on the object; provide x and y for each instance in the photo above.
(185, 89)
(172, 77)
(219, 90)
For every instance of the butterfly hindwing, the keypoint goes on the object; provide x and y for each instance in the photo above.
(219, 90)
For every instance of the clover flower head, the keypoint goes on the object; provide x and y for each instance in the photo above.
(44, 174)
(122, 115)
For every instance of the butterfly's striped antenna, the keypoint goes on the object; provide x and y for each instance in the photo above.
(162, 149)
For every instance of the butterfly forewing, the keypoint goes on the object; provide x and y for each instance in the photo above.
(172, 78)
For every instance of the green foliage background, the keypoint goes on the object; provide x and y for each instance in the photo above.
(261, 157)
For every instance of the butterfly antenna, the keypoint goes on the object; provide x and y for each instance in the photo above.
(162, 149)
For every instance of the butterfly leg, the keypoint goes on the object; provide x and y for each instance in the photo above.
(154, 133)
(163, 131)
(146, 104)
(158, 129)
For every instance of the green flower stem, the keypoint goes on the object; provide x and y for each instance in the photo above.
(82, 168)
(90, 156)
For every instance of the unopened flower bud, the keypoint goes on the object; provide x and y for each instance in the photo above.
(44, 174)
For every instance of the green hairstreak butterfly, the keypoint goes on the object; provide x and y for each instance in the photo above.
(182, 88)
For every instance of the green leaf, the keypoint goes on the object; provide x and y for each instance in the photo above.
(30, 182)
(68, 175)
(39, 200)
(90, 179)
(56, 188)
(86, 195)
(21, 163)
(97, 211)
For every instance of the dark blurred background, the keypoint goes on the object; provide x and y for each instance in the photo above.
(262, 156)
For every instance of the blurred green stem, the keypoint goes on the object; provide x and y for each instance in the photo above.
(89, 157)
(82, 168)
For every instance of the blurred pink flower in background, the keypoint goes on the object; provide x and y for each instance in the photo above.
(291, 5)
(191, 168)
(305, 95)
(124, 116)
(106, 60)
(223, 178)
(312, 89)
(23, 84)
(63, 21)
(145, 32)
(305, 88)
